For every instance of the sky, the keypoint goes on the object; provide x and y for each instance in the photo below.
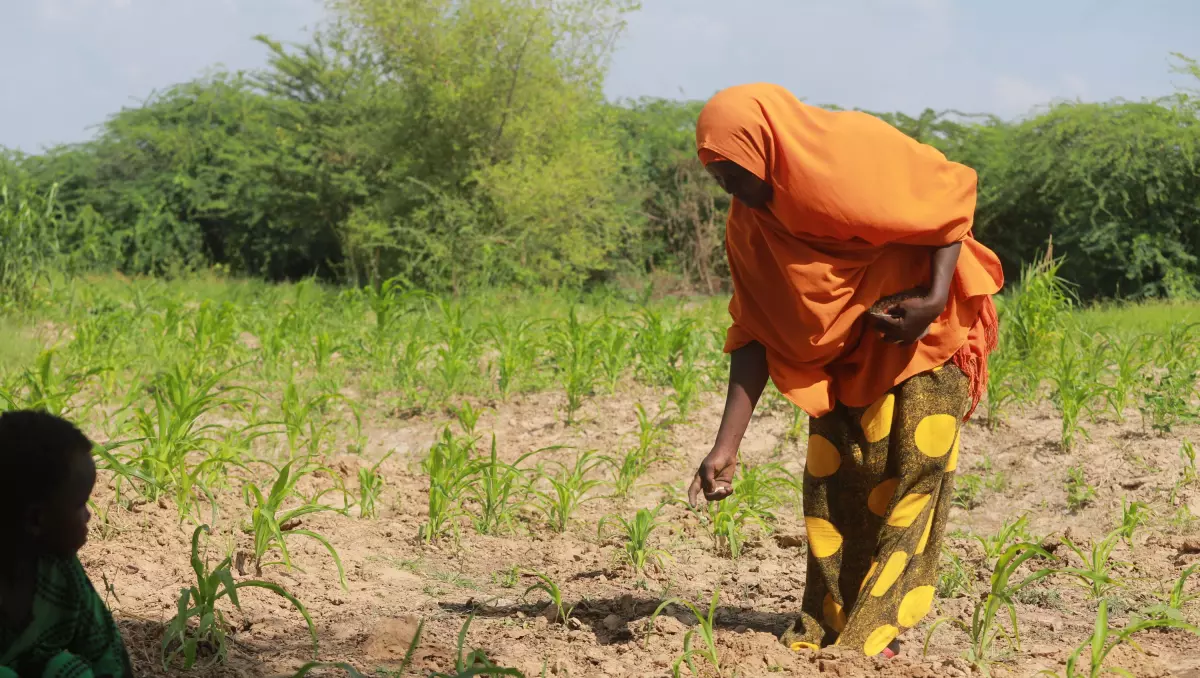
(68, 64)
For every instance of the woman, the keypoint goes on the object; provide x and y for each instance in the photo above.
(860, 291)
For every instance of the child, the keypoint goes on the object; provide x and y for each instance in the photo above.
(52, 623)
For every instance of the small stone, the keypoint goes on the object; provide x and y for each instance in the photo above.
(661, 660)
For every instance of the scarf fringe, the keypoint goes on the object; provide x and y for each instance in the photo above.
(973, 359)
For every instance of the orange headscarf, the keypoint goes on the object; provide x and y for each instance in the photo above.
(857, 211)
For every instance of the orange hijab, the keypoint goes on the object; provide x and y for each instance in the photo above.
(857, 211)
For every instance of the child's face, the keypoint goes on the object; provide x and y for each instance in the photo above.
(60, 523)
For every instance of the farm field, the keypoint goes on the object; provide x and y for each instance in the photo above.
(402, 464)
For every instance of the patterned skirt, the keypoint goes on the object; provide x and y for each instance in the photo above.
(878, 486)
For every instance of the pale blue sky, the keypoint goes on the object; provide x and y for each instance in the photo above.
(67, 64)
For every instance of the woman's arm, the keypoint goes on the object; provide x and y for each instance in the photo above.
(909, 320)
(747, 379)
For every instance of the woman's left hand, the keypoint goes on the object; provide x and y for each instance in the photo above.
(908, 321)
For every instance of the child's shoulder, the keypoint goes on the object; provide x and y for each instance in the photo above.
(61, 578)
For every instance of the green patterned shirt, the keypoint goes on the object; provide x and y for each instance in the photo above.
(71, 635)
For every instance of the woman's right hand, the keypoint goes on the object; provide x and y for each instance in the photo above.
(714, 478)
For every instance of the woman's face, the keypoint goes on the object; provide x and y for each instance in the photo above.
(741, 183)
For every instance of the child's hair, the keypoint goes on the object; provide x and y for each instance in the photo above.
(35, 455)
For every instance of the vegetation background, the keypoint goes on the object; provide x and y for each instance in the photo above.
(462, 144)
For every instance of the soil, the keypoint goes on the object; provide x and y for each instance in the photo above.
(140, 559)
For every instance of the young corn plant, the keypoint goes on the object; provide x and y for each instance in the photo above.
(575, 346)
(986, 630)
(272, 525)
(705, 629)
(636, 532)
(407, 374)
(1187, 454)
(458, 352)
(1174, 600)
(729, 521)
(449, 468)
(1096, 649)
(638, 460)
(172, 431)
(1079, 493)
(1167, 399)
(1133, 516)
(370, 486)
(545, 584)
(1009, 533)
(199, 624)
(499, 491)
(1000, 389)
(475, 662)
(303, 419)
(516, 351)
(616, 352)
(1076, 388)
(568, 489)
(1096, 574)
(1127, 375)
(44, 388)
(954, 579)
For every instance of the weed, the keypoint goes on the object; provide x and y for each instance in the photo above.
(507, 578)
(728, 521)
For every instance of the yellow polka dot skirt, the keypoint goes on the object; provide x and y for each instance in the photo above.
(878, 484)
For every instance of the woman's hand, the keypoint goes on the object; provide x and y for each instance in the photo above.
(714, 478)
(747, 379)
(908, 321)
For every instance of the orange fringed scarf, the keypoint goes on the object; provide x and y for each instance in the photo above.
(858, 209)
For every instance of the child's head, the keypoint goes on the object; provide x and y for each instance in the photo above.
(46, 477)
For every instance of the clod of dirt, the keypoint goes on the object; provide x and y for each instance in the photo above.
(612, 622)
(790, 541)
(1134, 483)
(669, 625)
(1189, 547)
(391, 638)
